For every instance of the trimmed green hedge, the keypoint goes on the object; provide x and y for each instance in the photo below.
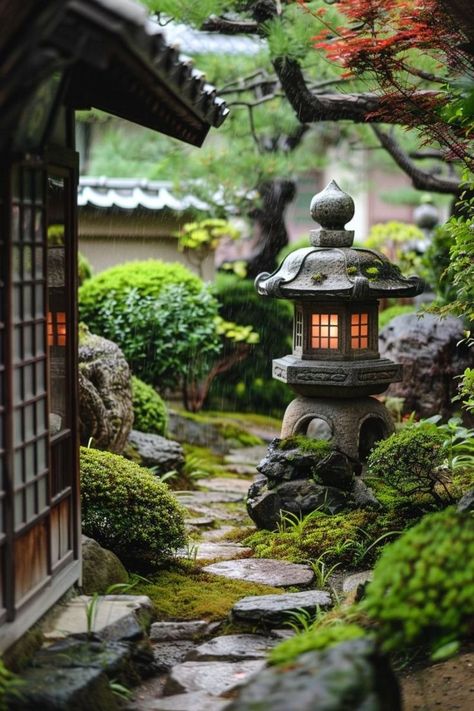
(150, 413)
(128, 510)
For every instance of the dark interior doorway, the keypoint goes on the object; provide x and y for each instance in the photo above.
(372, 430)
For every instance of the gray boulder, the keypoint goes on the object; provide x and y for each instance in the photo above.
(351, 675)
(158, 452)
(105, 393)
(427, 348)
(100, 567)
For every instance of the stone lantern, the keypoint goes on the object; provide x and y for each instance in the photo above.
(335, 366)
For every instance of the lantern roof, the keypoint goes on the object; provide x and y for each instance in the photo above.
(332, 267)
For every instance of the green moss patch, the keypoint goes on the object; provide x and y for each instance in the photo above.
(189, 595)
(317, 447)
(317, 637)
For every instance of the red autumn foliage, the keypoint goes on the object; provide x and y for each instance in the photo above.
(382, 41)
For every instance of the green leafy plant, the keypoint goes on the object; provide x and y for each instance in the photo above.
(149, 410)
(392, 312)
(126, 509)
(301, 619)
(408, 461)
(205, 234)
(10, 686)
(392, 239)
(422, 591)
(161, 315)
(322, 571)
(317, 636)
(119, 690)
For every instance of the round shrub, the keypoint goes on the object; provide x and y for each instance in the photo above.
(407, 460)
(423, 585)
(249, 386)
(150, 414)
(161, 315)
(128, 510)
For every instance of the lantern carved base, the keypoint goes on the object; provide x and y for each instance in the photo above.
(351, 425)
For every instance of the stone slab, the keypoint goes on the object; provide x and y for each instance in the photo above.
(248, 470)
(352, 582)
(247, 455)
(205, 498)
(215, 551)
(117, 617)
(172, 631)
(276, 609)
(276, 573)
(234, 647)
(214, 512)
(217, 534)
(167, 654)
(194, 701)
(199, 521)
(215, 678)
(225, 484)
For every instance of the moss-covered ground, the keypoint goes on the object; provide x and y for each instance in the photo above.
(185, 593)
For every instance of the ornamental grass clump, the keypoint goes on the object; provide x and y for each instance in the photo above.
(149, 410)
(128, 510)
(423, 586)
(408, 461)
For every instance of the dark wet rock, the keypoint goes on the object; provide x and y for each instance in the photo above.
(52, 689)
(167, 654)
(276, 609)
(105, 394)
(173, 631)
(111, 657)
(100, 567)
(263, 505)
(234, 647)
(304, 495)
(276, 573)
(427, 348)
(216, 678)
(351, 675)
(466, 503)
(155, 451)
(362, 496)
(200, 433)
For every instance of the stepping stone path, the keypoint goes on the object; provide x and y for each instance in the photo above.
(198, 668)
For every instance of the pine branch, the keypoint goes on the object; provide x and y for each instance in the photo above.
(420, 179)
(231, 27)
(309, 107)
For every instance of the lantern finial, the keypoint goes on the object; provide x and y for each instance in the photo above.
(332, 208)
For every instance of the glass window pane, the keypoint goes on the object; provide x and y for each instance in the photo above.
(315, 319)
(18, 467)
(42, 493)
(355, 342)
(30, 502)
(28, 304)
(18, 435)
(28, 345)
(19, 517)
(41, 455)
(39, 255)
(40, 377)
(40, 417)
(324, 319)
(17, 385)
(333, 343)
(324, 342)
(39, 300)
(29, 382)
(30, 469)
(39, 335)
(364, 343)
(29, 420)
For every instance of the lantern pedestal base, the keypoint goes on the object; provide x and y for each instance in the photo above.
(351, 426)
(337, 379)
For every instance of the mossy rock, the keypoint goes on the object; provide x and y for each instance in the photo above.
(100, 568)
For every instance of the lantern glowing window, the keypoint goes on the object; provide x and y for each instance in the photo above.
(359, 331)
(325, 331)
(56, 328)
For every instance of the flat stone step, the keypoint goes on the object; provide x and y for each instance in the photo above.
(217, 513)
(217, 534)
(215, 678)
(352, 582)
(233, 648)
(277, 609)
(194, 701)
(276, 573)
(117, 617)
(246, 455)
(225, 484)
(173, 631)
(198, 521)
(214, 551)
(248, 470)
(205, 498)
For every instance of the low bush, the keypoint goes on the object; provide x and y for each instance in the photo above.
(150, 413)
(317, 637)
(423, 586)
(161, 315)
(249, 385)
(407, 461)
(128, 510)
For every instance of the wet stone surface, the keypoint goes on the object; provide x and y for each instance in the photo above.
(238, 486)
(215, 551)
(234, 647)
(263, 570)
(172, 631)
(275, 609)
(194, 701)
(215, 678)
(167, 654)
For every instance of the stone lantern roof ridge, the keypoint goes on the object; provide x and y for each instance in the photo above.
(337, 272)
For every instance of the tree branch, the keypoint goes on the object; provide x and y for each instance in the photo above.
(231, 27)
(421, 179)
(309, 107)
